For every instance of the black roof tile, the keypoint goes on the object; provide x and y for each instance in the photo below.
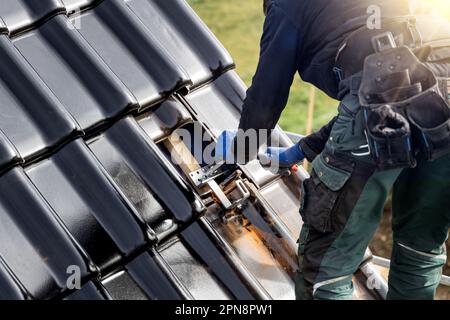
(3, 28)
(132, 52)
(163, 120)
(9, 288)
(132, 186)
(81, 192)
(224, 96)
(74, 6)
(8, 153)
(90, 291)
(209, 252)
(80, 79)
(32, 242)
(31, 117)
(19, 15)
(150, 274)
(121, 286)
(193, 273)
(184, 36)
(126, 147)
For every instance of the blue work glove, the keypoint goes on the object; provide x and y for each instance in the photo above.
(282, 157)
(224, 147)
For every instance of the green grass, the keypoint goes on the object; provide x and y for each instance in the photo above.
(238, 25)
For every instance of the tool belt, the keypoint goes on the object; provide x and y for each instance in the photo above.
(406, 106)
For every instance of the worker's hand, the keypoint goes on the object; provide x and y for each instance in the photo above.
(282, 157)
(224, 147)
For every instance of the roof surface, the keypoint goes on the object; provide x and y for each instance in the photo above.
(90, 93)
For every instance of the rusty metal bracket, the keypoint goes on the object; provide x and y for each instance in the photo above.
(203, 175)
(206, 177)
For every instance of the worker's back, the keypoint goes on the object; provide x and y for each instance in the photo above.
(323, 25)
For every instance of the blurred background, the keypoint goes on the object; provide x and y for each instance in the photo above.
(238, 25)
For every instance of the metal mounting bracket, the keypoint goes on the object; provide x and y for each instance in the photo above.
(201, 176)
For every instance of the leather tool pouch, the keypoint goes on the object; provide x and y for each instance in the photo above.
(389, 136)
(429, 116)
(404, 111)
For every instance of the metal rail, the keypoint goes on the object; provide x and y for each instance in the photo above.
(295, 137)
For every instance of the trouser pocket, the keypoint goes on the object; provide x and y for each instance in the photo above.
(321, 193)
(347, 134)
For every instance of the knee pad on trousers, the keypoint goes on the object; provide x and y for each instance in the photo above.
(414, 274)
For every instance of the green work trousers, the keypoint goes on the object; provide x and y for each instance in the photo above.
(342, 205)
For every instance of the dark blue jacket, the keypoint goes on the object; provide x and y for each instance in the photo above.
(303, 36)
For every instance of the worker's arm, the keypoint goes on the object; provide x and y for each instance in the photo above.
(268, 95)
(308, 147)
(278, 62)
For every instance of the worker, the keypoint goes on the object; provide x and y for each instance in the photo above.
(371, 146)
